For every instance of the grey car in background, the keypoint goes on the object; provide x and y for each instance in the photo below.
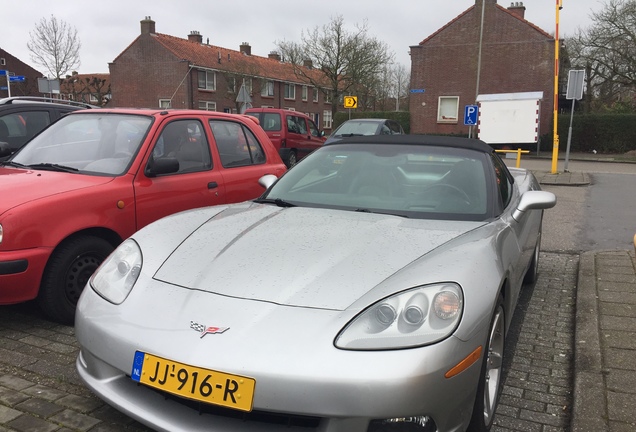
(368, 289)
(364, 127)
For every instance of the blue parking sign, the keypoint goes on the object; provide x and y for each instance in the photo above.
(470, 115)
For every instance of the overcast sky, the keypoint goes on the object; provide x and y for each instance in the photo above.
(106, 28)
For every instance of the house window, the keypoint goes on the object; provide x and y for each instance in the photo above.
(92, 98)
(328, 97)
(326, 119)
(290, 91)
(447, 109)
(315, 96)
(208, 106)
(267, 88)
(2, 62)
(164, 103)
(231, 84)
(304, 93)
(247, 82)
(207, 80)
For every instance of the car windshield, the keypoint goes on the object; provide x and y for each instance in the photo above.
(356, 128)
(415, 181)
(91, 143)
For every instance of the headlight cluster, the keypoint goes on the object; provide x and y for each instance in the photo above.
(117, 275)
(416, 317)
(1, 233)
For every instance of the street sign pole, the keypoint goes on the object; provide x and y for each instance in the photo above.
(8, 84)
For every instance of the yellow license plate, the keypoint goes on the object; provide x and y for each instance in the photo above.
(205, 385)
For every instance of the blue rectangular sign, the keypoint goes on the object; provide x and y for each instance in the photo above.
(18, 78)
(470, 115)
(4, 88)
(3, 72)
(417, 90)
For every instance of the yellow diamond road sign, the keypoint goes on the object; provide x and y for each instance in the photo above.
(351, 101)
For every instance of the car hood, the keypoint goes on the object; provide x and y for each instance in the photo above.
(19, 186)
(256, 252)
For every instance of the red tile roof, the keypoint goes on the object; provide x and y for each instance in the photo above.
(223, 59)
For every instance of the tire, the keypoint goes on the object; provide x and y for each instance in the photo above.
(67, 273)
(533, 271)
(291, 159)
(490, 380)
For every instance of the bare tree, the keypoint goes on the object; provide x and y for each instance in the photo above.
(347, 59)
(55, 45)
(607, 51)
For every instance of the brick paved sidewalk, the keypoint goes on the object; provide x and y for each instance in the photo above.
(40, 390)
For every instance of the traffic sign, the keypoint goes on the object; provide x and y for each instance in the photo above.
(4, 88)
(17, 78)
(3, 72)
(470, 115)
(576, 81)
(351, 101)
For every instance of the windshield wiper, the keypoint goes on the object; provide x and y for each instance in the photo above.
(366, 210)
(53, 167)
(13, 164)
(279, 202)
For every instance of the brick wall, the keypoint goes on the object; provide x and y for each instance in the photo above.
(516, 57)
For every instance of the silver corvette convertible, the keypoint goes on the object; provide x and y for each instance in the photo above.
(368, 289)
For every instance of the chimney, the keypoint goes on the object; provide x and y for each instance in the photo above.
(274, 55)
(517, 8)
(147, 26)
(245, 48)
(195, 36)
(308, 63)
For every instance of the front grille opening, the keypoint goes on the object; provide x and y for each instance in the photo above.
(286, 420)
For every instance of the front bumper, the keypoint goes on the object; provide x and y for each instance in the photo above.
(21, 273)
(307, 379)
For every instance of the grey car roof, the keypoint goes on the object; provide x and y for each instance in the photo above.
(430, 140)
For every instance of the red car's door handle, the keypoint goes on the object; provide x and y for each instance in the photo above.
(213, 185)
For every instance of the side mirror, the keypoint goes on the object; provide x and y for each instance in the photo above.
(533, 200)
(267, 180)
(321, 133)
(166, 165)
(5, 150)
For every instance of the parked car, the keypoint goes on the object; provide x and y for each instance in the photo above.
(368, 289)
(94, 177)
(363, 127)
(23, 117)
(293, 133)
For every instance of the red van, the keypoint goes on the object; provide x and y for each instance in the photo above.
(293, 133)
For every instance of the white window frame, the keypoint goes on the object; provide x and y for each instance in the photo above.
(3, 62)
(289, 91)
(315, 94)
(164, 103)
(448, 109)
(231, 85)
(210, 80)
(328, 97)
(267, 89)
(247, 82)
(303, 93)
(207, 105)
(327, 121)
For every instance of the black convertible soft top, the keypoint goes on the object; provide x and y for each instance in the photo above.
(433, 140)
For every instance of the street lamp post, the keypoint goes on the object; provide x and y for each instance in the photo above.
(555, 143)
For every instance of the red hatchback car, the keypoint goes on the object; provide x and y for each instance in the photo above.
(94, 177)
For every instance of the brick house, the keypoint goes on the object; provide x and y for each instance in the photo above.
(12, 64)
(516, 56)
(167, 71)
(92, 89)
